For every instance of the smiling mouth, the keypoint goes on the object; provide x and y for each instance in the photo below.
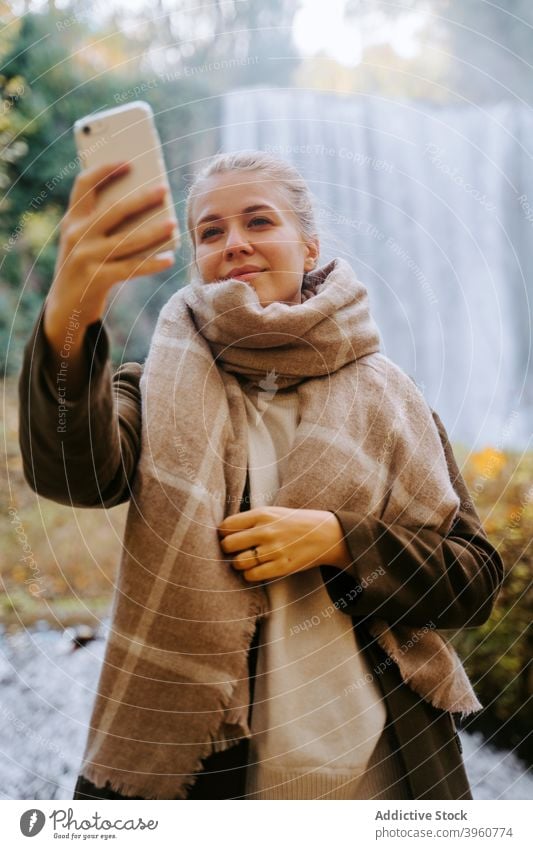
(245, 275)
(248, 275)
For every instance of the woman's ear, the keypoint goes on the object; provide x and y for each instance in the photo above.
(313, 249)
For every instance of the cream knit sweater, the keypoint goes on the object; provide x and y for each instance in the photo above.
(318, 713)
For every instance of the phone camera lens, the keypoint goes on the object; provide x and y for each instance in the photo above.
(86, 129)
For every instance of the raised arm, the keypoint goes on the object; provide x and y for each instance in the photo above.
(79, 426)
(418, 577)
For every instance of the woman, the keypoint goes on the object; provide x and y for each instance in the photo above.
(296, 535)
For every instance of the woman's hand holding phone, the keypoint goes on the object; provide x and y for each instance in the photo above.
(92, 257)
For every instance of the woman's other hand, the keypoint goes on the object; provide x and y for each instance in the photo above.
(286, 540)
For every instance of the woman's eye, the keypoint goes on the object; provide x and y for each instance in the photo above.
(209, 232)
(262, 220)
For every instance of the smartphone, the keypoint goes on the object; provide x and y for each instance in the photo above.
(128, 133)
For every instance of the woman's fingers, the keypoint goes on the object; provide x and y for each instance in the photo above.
(245, 560)
(90, 262)
(126, 244)
(86, 185)
(240, 540)
(108, 219)
(125, 269)
(103, 219)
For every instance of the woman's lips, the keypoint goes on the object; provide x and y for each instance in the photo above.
(248, 276)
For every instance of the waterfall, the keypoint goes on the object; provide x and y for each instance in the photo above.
(433, 206)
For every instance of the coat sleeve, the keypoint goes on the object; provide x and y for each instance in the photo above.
(82, 453)
(422, 576)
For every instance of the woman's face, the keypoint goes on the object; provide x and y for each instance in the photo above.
(241, 219)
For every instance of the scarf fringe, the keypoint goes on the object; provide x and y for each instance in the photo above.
(231, 721)
(440, 680)
(100, 775)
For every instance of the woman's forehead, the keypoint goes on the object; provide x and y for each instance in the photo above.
(228, 194)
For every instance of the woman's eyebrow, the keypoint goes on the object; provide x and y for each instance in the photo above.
(245, 211)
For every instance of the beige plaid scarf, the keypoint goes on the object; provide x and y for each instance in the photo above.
(174, 685)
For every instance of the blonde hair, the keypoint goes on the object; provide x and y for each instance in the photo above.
(295, 189)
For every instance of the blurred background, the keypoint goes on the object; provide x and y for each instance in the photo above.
(412, 123)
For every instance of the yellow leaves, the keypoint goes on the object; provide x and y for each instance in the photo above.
(40, 228)
(490, 526)
(488, 463)
(13, 87)
(19, 574)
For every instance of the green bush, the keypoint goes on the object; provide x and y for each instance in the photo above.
(497, 656)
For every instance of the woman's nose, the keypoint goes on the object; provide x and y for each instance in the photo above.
(236, 240)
